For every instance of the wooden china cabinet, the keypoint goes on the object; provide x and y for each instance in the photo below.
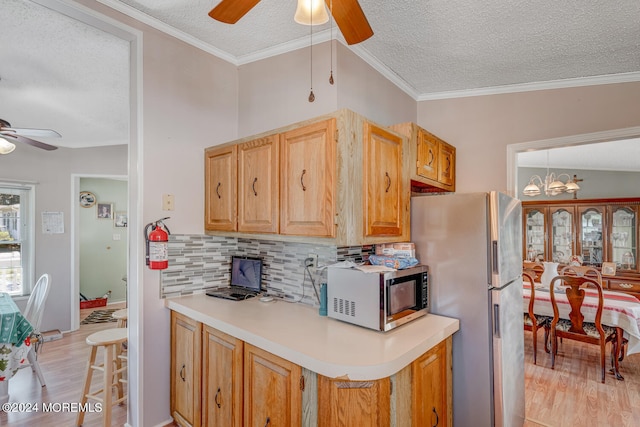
(600, 231)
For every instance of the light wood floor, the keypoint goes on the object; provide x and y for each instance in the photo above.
(63, 363)
(572, 394)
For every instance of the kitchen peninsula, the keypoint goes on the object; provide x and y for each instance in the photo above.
(283, 364)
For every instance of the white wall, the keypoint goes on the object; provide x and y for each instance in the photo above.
(594, 184)
(103, 259)
(481, 127)
(52, 170)
(274, 92)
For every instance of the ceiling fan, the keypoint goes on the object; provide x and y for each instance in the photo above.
(347, 13)
(23, 135)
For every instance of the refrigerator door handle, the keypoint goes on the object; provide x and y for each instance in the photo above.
(496, 320)
(495, 257)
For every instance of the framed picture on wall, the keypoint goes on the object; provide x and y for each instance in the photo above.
(120, 219)
(105, 210)
(87, 199)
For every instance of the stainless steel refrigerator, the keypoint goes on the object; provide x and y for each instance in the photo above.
(472, 244)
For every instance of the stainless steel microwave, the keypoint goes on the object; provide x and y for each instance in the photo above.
(380, 301)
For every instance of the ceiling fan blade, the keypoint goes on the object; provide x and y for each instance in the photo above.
(351, 20)
(230, 11)
(9, 136)
(39, 133)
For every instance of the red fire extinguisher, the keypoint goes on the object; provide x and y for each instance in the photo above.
(157, 252)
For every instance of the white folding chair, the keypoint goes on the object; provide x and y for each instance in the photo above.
(33, 313)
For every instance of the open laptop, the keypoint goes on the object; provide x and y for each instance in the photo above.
(246, 279)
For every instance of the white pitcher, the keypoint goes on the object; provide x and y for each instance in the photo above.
(550, 271)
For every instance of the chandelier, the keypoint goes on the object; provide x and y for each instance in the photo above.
(552, 185)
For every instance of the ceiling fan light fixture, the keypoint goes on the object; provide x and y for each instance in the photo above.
(6, 147)
(311, 12)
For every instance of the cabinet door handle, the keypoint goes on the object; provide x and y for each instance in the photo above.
(437, 418)
(388, 179)
(217, 397)
(218, 188)
(182, 372)
(431, 157)
(446, 170)
(302, 180)
(268, 422)
(253, 186)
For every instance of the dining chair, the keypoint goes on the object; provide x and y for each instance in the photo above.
(594, 273)
(581, 270)
(33, 313)
(575, 327)
(533, 322)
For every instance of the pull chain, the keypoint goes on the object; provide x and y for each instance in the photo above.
(331, 41)
(312, 97)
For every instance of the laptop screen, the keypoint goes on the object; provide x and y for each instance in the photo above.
(246, 272)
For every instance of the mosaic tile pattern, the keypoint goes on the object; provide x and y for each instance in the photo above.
(198, 262)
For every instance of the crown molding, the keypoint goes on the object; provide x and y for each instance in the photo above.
(165, 28)
(534, 86)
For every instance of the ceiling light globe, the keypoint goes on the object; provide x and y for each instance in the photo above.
(6, 147)
(571, 187)
(531, 190)
(311, 12)
(558, 186)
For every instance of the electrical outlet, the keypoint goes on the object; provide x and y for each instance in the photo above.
(314, 260)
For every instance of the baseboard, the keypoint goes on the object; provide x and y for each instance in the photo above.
(51, 335)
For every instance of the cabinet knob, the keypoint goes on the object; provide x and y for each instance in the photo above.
(437, 418)
(217, 398)
(302, 180)
(182, 372)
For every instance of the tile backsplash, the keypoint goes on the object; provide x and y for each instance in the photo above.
(198, 262)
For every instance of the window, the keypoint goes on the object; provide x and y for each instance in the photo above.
(16, 238)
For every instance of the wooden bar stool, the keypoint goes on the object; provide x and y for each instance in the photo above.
(121, 316)
(111, 341)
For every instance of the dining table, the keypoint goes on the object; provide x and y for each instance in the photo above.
(620, 310)
(15, 342)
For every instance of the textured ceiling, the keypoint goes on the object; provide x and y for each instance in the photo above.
(59, 73)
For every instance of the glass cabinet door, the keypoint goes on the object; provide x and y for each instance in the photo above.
(624, 233)
(590, 238)
(562, 234)
(535, 235)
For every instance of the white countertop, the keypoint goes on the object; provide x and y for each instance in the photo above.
(327, 346)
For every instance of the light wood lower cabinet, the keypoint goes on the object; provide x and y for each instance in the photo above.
(348, 403)
(185, 370)
(243, 385)
(273, 389)
(431, 393)
(222, 363)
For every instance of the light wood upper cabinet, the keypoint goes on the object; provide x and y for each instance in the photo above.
(185, 370)
(222, 379)
(220, 188)
(343, 180)
(432, 160)
(383, 183)
(308, 176)
(258, 181)
(272, 390)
